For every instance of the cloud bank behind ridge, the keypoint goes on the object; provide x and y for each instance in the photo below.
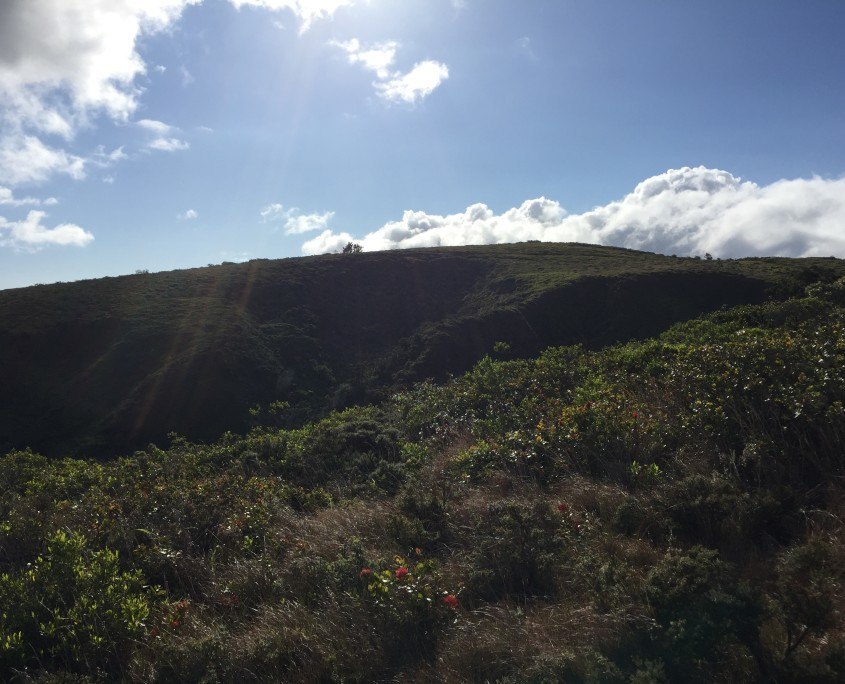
(685, 211)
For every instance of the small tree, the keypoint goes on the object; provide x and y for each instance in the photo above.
(352, 248)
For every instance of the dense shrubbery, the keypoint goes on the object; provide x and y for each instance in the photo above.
(74, 607)
(668, 510)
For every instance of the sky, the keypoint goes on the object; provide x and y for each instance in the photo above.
(162, 134)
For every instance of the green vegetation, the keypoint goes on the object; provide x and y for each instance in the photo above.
(669, 509)
(102, 368)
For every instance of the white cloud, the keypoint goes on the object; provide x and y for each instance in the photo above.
(377, 58)
(307, 223)
(62, 63)
(105, 159)
(25, 159)
(294, 221)
(188, 215)
(273, 212)
(419, 82)
(84, 47)
(29, 234)
(164, 140)
(307, 11)
(394, 86)
(683, 211)
(8, 198)
(168, 145)
(327, 242)
(157, 127)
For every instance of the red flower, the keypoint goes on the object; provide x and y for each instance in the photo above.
(450, 601)
(562, 507)
(364, 572)
(635, 415)
(401, 572)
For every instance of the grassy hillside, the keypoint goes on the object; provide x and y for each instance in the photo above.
(106, 366)
(667, 510)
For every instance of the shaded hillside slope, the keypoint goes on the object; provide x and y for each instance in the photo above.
(106, 366)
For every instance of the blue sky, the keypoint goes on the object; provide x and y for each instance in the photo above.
(175, 133)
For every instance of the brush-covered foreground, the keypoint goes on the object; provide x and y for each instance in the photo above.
(667, 510)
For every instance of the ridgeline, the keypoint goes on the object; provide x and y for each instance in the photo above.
(104, 367)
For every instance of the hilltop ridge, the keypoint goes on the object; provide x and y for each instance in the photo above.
(106, 366)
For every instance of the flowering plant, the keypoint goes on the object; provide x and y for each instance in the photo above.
(407, 586)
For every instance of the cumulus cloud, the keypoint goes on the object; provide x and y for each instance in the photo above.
(683, 211)
(84, 50)
(62, 63)
(168, 145)
(307, 11)
(327, 242)
(8, 198)
(377, 58)
(294, 221)
(395, 86)
(31, 235)
(85, 47)
(164, 140)
(273, 212)
(418, 83)
(26, 159)
(307, 223)
(188, 215)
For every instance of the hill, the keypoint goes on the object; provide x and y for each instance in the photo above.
(667, 510)
(107, 366)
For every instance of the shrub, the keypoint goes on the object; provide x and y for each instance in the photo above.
(809, 591)
(355, 451)
(409, 604)
(713, 510)
(72, 609)
(518, 553)
(701, 608)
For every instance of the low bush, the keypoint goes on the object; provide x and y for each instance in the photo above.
(72, 609)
